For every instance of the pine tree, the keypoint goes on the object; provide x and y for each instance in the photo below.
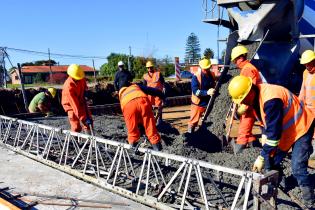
(208, 53)
(192, 52)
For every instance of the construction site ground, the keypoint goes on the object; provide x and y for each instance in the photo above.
(23, 175)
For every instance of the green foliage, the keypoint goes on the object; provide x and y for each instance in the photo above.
(40, 63)
(208, 53)
(39, 78)
(222, 54)
(192, 51)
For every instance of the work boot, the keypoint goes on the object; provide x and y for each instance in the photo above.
(191, 129)
(308, 196)
(254, 143)
(237, 148)
(312, 157)
(157, 147)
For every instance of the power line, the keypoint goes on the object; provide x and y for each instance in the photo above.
(55, 54)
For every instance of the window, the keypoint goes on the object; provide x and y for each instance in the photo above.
(28, 79)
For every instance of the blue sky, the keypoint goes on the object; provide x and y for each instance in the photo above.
(99, 27)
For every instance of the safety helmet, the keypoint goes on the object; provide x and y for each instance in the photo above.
(307, 56)
(120, 63)
(239, 88)
(52, 91)
(205, 63)
(75, 71)
(149, 64)
(238, 51)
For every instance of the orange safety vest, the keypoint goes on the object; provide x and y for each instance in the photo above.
(308, 90)
(195, 99)
(127, 94)
(154, 80)
(249, 70)
(296, 118)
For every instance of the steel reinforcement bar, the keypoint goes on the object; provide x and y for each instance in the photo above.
(157, 179)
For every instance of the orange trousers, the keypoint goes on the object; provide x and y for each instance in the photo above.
(155, 101)
(139, 111)
(245, 128)
(75, 123)
(195, 114)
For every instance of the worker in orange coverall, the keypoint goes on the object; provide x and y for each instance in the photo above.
(247, 117)
(155, 79)
(73, 100)
(137, 111)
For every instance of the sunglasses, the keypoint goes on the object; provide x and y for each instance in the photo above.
(149, 67)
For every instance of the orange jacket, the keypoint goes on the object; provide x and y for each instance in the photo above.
(296, 118)
(249, 70)
(307, 92)
(73, 97)
(127, 94)
(153, 80)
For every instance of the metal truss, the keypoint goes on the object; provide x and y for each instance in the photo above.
(160, 180)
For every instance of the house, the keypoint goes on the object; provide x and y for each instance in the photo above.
(57, 74)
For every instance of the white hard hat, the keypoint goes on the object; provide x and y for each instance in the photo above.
(120, 63)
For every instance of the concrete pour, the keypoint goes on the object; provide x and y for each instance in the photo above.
(24, 175)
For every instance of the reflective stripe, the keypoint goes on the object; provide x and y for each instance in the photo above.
(128, 93)
(198, 92)
(290, 101)
(309, 88)
(272, 143)
(294, 118)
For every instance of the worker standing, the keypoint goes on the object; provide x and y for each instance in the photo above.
(122, 75)
(202, 86)
(247, 118)
(73, 100)
(42, 102)
(287, 123)
(155, 79)
(137, 111)
(307, 92)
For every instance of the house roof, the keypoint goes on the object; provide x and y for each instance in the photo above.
(46, 69)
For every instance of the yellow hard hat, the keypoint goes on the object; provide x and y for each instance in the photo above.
(75, 71)
(205, 63)
(237, 51)
(239, 87)
(149, 64)
(307, 56)
(52, 91)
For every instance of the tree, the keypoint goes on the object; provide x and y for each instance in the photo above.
(40, 63)
(192, 52)
(208, 53)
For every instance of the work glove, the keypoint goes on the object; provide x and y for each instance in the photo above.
(263, 139)
(242, 109)
(259, 164)
(210, 92)
(88, 121)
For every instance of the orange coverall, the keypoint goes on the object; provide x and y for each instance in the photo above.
(248, 119)
(74, 103)
(137, 110)
(154, 80)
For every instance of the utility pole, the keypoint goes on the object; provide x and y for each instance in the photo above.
(22, 87)
(129, 66)
(94, 73)
(50, 71)
(2, 68)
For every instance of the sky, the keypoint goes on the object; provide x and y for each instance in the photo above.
(99, 27)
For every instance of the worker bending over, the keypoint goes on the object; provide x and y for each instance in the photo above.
(137, 111)
(155, 79)
(202, 86)
(42, 102)
(73, 100)
(287, 124)
(247, 117)
(307, 92)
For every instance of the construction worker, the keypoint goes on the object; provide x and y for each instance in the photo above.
(73, 100)
(42, 101)
(137, 111)
(247, 118)
(307, 92)
(287, 124)
(155, 79)
(202, 86)
(121, 76)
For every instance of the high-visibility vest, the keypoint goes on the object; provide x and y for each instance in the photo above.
(296, 118)
(153, 80)
(309, 90)
(127, 94)
(195, 99)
